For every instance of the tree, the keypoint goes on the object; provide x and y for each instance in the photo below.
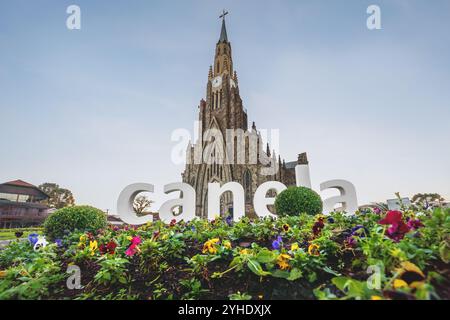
(424, 199)
(141, 205)
(58, 197)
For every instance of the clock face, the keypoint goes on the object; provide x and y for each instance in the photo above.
(217, 82)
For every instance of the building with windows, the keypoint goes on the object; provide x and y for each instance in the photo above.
(20, 205)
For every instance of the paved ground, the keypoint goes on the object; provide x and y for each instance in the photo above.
(4, 243)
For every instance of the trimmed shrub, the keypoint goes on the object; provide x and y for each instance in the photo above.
(70, 219)
(296, 200)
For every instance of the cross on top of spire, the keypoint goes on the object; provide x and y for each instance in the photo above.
(224, 13)
(223, 33)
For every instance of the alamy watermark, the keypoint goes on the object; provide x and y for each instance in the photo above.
(73, 21)
(234, 146)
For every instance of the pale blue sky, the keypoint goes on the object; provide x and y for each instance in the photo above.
(93, 110)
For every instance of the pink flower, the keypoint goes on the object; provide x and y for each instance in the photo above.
(133, 249)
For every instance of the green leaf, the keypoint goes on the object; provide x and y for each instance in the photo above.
(295, 274)
(444, 252)
(331, 271)
(340, 282)
(280, 274)
(256, 268)
(265, 256)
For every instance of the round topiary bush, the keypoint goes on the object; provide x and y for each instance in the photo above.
(70, 219)
(296, 200)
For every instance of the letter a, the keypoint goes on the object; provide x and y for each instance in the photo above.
(374, 20)
(347, 196)
(73, 22)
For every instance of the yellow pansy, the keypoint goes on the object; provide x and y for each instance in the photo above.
(409, 274)
(376, 298)
(398, 283)
(2, 274)
(210, 246)
(313, 250)
(82, 242)
(244, 252)
(294, 246)
(129, 238)
(93, 246)
(283, 261)
(227, 244)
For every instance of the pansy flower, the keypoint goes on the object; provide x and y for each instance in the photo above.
(318, 226)
(313, 250)
(278, 243)
(82, 242)
(102, 249)
(414, 224)
(377, 210)
(227, 244)
(409, 276)
(295, 246)
(244, 252)
(398, 228)
(350, 242)
(133, 248)
(33, 238)
(229, 220)
(93, 246)
(283, 261)
(286, 227)
(58, 242)
(210, 246)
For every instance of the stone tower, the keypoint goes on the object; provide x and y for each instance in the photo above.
(221, 111)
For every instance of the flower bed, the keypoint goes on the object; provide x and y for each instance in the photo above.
(394, 255)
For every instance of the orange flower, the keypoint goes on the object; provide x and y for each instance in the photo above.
(313, 250)
(283, 261)
(210, 246)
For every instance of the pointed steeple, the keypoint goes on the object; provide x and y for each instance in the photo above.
(223, 33)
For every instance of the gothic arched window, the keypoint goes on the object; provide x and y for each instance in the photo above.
(247, 179)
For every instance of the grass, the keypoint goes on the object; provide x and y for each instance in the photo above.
(10, 234)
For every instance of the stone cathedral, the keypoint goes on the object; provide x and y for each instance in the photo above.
(223, 109)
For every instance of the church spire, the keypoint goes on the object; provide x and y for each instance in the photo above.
(223, 33)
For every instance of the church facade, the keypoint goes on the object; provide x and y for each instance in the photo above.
(222, 114)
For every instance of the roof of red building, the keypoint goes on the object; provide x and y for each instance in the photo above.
(20, 183)
(24, 188)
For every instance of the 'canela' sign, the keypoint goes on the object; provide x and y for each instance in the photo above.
(346, 198)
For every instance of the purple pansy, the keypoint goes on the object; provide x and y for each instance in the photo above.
(278, 243)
